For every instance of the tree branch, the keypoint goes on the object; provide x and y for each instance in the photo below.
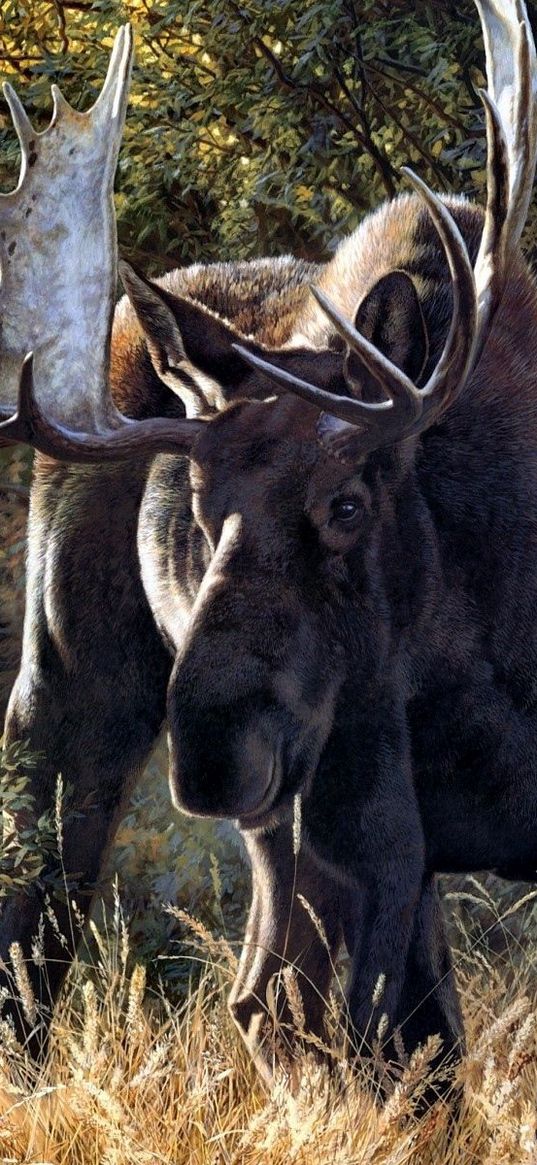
(363, 137)
(62, 25)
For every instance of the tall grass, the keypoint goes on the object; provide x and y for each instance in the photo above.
(130, 1080)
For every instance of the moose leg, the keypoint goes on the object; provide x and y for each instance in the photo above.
(90, 695)
(429, 1001)
(381, 951)
(282, 933)
(362, 821)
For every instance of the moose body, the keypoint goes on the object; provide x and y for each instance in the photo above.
(402, 664)
(402, 654)
(335, 598)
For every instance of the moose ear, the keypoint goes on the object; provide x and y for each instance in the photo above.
(190, 347)
(391, 317)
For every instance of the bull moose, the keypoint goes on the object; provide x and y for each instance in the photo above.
(292, 508)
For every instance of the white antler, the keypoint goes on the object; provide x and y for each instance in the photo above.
(511, 101)
(58, 235)
(58, 251)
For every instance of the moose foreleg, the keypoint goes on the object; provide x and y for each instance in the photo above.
(90, 695)
(381, 949)
(429, 1000)
(362, 822)
(282, 933)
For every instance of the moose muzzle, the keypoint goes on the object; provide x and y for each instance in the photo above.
(225, 761)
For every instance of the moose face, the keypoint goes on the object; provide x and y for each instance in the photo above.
(261, 619)
(260, 660)
(264, 615)
(256, 616)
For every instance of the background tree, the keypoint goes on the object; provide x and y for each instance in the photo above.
(259, 128)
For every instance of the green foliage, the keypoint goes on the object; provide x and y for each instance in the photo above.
(27, 839)
(161, 856)
(260, 128)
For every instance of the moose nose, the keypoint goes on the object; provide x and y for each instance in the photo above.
(218, 771)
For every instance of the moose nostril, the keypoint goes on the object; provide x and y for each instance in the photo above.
(265, 798)
(243, 1011)
(249, 1015)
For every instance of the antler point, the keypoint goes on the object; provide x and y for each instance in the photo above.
(19, 116)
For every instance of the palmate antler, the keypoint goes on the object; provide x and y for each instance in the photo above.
(511, 117)
(58, 260)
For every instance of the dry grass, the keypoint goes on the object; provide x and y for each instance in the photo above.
(128, 1080)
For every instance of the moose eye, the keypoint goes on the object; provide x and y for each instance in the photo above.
(344, 509)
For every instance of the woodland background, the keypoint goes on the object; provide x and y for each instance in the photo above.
(253, 128)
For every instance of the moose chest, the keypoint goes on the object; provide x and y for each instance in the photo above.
(474, 759)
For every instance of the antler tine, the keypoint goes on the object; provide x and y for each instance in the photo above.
(497, 177)
(512, 147)
(401, 391)
(512, 83)
(451, 371)
(21, 121)
(341, 406)
(114, 93)
(30, 426)
(411, 403)
(449, 374)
